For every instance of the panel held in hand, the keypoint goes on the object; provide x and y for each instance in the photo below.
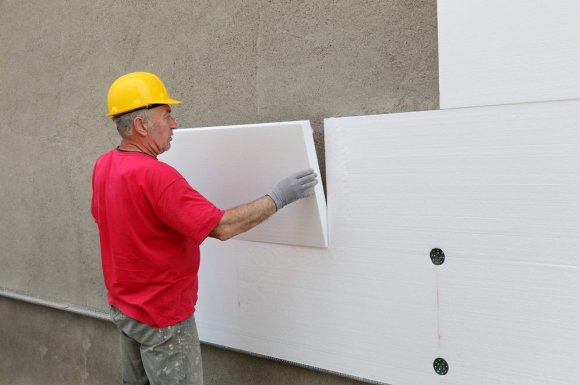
(231, 165)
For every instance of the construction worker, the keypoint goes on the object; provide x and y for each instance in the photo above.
(151, 223)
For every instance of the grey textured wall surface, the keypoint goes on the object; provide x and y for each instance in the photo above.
(231, 62)
(44, 346)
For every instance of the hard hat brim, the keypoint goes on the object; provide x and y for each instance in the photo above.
(158, 103)
(172, 101)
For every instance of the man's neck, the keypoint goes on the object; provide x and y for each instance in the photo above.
(131, 146)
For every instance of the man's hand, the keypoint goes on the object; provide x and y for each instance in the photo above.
(296, 186)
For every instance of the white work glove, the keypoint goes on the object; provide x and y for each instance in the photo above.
(296, 186)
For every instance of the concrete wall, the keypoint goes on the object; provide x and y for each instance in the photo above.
(231, 62)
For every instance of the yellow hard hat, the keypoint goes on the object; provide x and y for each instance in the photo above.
(136, 90)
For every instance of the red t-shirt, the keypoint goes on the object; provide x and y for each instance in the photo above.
(151, 223)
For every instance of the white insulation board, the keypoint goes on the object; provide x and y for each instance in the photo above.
(499, 52)
(496, 188)
(231, 165)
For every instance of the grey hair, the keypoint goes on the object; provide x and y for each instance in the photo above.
(125, 122)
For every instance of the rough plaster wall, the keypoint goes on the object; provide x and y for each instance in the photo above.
(231, 62)
(40, 345)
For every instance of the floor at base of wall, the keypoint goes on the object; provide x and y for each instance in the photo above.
(40, 345)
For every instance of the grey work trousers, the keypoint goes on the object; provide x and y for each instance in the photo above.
(159, 356)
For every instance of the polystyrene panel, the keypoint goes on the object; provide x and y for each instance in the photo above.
(231, 165)
(512, 321)
(496, 189)
(498, 52)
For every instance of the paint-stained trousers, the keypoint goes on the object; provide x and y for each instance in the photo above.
(159, 356)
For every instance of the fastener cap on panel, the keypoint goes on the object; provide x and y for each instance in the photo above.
(441, 367)
(437, 256)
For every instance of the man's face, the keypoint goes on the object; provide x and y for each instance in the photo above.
(161, 125)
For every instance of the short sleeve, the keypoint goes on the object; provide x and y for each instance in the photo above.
(187, 211)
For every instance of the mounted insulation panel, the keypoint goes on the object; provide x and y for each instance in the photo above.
(495, 190)
(502, 52)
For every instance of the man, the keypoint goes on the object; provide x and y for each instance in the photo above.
(151, 223)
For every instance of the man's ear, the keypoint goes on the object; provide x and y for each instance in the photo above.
(139, 126)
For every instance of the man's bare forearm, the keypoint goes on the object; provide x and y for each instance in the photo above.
(243, 218)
